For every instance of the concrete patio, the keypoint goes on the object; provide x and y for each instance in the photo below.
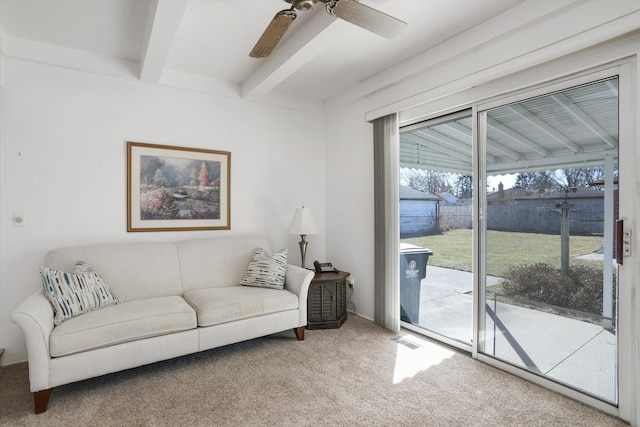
(577, 353)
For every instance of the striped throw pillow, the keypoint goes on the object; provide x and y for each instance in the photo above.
(90, 274)
(68, 296)
(266, 271)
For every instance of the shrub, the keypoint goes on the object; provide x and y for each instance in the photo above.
(579, 289)
(158, 204)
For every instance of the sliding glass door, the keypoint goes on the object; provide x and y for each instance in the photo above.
(436, 227)
(552, 166)
(507, 232)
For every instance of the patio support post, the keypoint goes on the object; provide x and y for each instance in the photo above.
(564, 237)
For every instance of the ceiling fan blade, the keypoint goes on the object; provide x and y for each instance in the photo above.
(367, 17)
(274, 32)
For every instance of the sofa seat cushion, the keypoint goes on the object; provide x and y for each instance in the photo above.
(128, 321)
(221, 305)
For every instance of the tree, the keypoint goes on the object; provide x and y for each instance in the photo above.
(582, 177)
(546, 181)
(158, 179)
(149, 165)
(524, 180)
(560, 179)
(204, 175)
(463, 187)
(193, 176)
(425, 180)
(541, 182)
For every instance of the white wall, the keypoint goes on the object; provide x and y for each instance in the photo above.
(63, 147)
(349, 184)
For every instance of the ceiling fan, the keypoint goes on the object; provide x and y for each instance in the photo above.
(350, 10)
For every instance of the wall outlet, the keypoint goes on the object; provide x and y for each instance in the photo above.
(351, 281)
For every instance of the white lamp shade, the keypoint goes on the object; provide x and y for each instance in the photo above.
(303, 223)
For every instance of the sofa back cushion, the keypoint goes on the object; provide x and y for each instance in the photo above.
(217, 262)
(133, 270)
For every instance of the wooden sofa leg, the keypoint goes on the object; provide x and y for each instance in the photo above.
(41, 400)
(299, 333)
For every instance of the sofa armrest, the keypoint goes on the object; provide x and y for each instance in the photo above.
(297, 281)
(35, 316)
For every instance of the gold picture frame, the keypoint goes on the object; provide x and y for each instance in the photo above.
(172, 188)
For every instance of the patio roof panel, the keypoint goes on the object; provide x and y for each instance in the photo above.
(572, 128)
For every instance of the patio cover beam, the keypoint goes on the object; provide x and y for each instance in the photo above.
(420, 141)
(526, 115)
(447, 141)
(555, 162)
(443, 167)
(504, 150)
(510, 133)
(583, 118)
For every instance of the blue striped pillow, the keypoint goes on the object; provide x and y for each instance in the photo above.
(89, 273)
(73, 294)
(68, 296)
(266, 271)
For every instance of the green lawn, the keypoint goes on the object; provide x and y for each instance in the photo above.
(453, 249)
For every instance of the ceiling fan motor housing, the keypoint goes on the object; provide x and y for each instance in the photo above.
(301, 4)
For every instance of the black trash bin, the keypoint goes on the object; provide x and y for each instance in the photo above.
(413, 268)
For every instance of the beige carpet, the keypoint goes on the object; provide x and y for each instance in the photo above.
(356, 375)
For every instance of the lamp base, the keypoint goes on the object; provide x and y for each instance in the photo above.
(303, 248)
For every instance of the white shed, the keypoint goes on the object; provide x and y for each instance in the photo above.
(418, 212)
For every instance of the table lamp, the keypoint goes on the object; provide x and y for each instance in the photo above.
(303, 224)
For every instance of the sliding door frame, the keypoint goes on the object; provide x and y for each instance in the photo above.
(479, 233)
(453, 115)
(584, 77)
(480, 99)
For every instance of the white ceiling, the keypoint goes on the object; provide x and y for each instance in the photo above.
(205, 44)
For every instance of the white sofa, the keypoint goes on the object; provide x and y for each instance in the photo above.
(177, 298)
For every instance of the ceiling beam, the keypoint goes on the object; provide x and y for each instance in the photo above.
(65, 57)
(290, 55)
(162, 25)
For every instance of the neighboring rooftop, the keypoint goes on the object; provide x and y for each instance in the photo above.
(408, 193)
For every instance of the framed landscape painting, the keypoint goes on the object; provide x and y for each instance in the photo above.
(177, 188)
